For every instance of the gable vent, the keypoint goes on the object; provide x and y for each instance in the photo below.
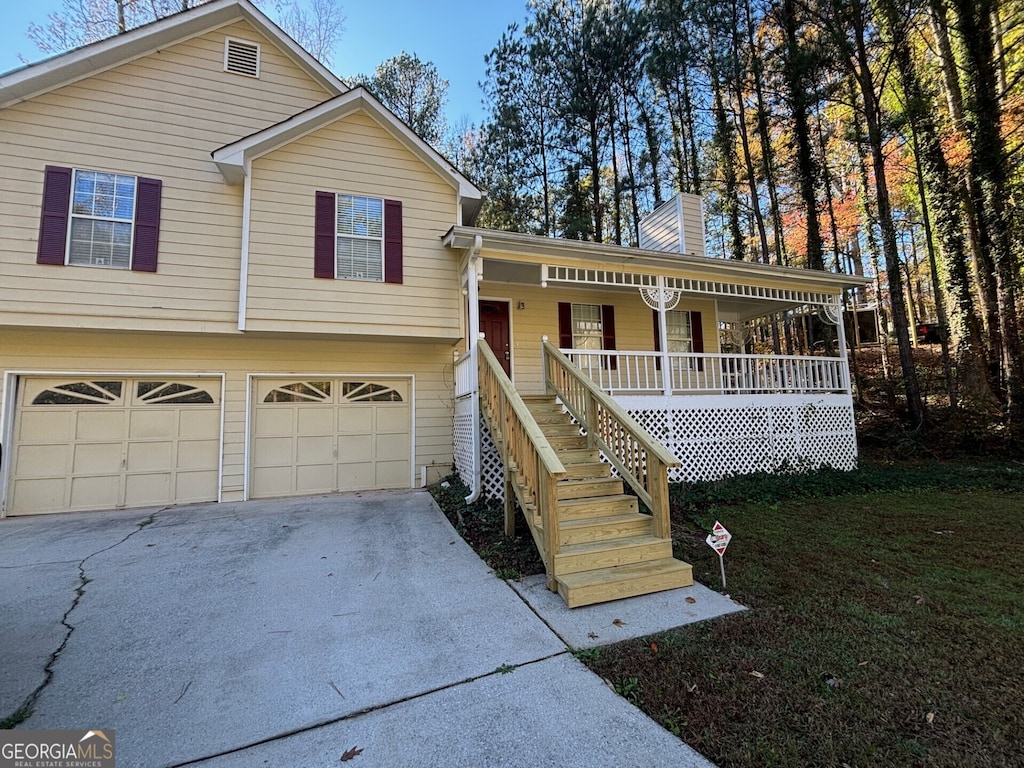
(242, 57)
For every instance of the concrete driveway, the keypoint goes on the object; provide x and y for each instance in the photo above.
(288, 632)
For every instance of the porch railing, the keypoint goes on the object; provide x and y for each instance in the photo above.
(640, 459)
(617, 371)
(526, 453)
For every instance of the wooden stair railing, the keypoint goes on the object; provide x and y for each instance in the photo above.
(640, 459)
(532, 468)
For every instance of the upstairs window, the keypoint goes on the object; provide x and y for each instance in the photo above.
(357, 238)
(102, 219)
(360, 238)
(99, 219)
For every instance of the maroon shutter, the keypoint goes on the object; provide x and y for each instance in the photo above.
(392, 241)
(565, 325)
(657, 340)
(325, 229)
(697, 332)
(147, 224)
(53, 223)
(608, 331)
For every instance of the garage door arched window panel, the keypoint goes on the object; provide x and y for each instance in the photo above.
(300, 392)
(304, 441)
(361, 392)
(175, 392)
(81, 393)
(101, 443)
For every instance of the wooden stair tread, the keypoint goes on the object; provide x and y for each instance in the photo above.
(597, 506)
(588, 488)
(631, 571)
(621, 581)
(582, 522)
(589, 547)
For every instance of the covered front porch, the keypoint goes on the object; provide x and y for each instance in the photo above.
(590, 367)
(682, 343)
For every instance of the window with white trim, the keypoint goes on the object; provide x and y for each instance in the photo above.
(587, 330)
(679, 331)
(360, 238)
(102, 220)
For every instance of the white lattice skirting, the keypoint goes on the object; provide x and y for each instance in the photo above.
(715, 436)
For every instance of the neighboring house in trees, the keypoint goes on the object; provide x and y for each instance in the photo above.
(225, 275)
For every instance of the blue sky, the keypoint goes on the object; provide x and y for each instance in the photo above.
(453, 34)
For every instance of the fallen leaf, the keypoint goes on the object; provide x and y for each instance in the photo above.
(929, 717)
(691, 600)
(349, 754)
(151, 545)
(654, 647)
(331, 573)
(593, 635)
(619, 623)
(758, 675)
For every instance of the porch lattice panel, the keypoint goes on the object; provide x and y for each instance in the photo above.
(492, 470)
(716, 438)
(712, 442)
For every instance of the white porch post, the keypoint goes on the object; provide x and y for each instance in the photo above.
(666, 361)
(472, 336)
(843, 352)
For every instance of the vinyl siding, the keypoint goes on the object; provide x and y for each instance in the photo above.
(236, 357)
(354, 155)
(634, 326)
(159, 116)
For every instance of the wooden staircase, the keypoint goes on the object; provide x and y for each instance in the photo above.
(607, 548)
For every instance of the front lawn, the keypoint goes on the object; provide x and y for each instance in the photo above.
(885, 629)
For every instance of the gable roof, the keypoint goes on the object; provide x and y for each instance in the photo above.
(35, 79)
(233, 158)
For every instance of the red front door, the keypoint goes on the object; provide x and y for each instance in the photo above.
(494, 326)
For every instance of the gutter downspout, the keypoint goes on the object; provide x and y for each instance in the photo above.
(243, 283)
(472, 336)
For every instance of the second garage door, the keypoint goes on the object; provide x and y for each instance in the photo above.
(324, 435)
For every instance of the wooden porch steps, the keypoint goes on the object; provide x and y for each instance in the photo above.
(608, 548)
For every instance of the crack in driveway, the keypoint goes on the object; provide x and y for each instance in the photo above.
(24, 712)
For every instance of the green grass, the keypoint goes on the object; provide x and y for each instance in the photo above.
(885, 628)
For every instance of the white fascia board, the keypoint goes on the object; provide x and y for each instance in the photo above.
(625, 258)
(35, 79)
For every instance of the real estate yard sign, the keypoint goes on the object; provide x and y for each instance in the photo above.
(718, 540)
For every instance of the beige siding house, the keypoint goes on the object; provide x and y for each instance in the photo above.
(171, 329)
(226, 275)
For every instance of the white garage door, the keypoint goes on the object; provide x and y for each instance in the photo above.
(319, 436)
(82, 444)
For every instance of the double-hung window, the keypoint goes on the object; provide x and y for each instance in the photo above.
(99, 219)
(587, 331)
(357, 238)
(679, 331)
(102, 220)
(360, 238)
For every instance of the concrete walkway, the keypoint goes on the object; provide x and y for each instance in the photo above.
(289, 632)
